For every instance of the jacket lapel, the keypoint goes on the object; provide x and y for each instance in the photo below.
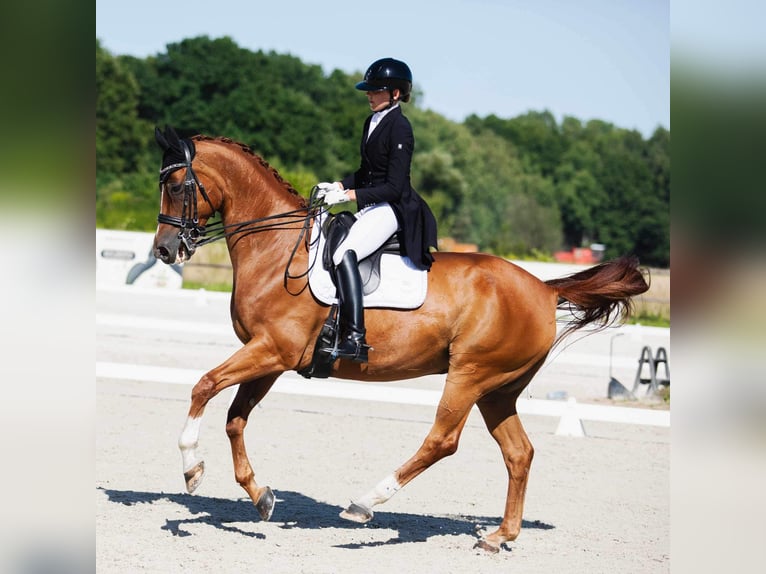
(378, 129)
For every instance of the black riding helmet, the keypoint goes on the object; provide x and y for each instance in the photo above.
(387, 74)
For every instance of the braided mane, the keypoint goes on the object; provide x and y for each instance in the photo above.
(247, 150)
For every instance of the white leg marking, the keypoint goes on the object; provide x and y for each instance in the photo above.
(188, 442)
(384, 490)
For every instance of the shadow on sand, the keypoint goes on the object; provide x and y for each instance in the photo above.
(296, 510)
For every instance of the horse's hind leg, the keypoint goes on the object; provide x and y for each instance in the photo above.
(248, 396)
(442, 440)
(498, 409)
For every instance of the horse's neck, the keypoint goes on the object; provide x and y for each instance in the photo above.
(265, 249)
(253, 192)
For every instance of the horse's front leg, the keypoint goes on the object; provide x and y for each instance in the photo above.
(193, 466)
(248, 396)
(248, 364)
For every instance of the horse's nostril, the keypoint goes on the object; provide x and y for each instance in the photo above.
(163, 253)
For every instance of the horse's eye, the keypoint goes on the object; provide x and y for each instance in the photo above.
(175, 188)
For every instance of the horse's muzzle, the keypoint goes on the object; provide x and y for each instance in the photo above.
(164, 255)
(170, 249)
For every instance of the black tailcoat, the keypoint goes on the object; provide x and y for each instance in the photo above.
(384, 175)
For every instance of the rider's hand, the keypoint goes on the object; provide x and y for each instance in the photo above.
(335, 196)
(326, 187)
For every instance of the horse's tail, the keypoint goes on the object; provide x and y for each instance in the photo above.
(595, 295)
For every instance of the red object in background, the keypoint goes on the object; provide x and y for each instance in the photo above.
(581, 255)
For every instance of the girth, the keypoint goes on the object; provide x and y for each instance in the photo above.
(335, 230)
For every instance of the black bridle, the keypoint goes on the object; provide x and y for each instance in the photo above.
(189, 229)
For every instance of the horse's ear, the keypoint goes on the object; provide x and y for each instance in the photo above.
(172, 138)
(161, 140)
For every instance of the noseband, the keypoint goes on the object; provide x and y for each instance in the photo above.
(189, 229)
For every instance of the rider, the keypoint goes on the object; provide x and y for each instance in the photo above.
(385, 199)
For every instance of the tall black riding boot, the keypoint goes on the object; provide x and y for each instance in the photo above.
(352, 344)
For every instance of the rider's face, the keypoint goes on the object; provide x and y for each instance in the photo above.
(379, 99)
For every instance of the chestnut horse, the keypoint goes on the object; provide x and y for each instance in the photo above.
(486, 323)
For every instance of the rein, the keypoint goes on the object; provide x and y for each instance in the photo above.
(194, 235)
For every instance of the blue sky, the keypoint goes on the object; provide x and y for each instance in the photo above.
(591, 59)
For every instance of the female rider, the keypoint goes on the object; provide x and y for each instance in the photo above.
(386, 201)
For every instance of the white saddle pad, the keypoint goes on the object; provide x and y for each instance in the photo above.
(402, 285)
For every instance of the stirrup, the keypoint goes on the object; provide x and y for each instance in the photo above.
(358, 354)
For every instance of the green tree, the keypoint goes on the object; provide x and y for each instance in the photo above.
(520, 185)
(440, 183)
(579, 193)
(120, 134)
(535, 134)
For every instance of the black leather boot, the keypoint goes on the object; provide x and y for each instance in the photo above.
(352, 344)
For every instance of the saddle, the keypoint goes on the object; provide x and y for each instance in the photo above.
(335, 230)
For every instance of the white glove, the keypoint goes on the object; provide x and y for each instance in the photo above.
(325, 187)
(335, 196)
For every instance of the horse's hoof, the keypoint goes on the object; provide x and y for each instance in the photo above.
(487, 546)
(194, 476)
(356, 513)
(265, 504)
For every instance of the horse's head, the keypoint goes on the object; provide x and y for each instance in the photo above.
(183, 214)
(228, 178)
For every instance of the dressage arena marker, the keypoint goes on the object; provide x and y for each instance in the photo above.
(570, 412)
(570, 424)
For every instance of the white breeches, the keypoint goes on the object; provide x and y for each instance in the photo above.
(374, 225)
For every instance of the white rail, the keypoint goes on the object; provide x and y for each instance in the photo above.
(290, 383)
